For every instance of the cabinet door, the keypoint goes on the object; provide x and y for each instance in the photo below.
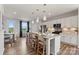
(67, 38)
(74, 21)
(62, 39)
(74, 39)
(63, 22)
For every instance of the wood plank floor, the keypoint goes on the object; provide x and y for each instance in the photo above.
(20, 48)
(67, 49)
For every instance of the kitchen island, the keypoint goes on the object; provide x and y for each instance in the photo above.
(52, 44)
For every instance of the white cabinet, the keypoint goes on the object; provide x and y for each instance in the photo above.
(66, 23)
(70, 38)
(65, 38)
(53, 45)
(74, 21)
(74, 39)
(69, 22)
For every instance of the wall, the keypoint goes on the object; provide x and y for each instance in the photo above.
(78, 27)
(17, 28)
(1, 31)
(34, 27)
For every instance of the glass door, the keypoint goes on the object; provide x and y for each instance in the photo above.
(24, 28)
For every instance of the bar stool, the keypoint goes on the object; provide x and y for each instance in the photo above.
(41, 45)
(34, 42)
(30, 40)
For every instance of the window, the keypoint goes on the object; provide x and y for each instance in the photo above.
(11, 26)
(24, 26)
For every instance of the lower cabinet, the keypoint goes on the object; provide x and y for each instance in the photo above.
(74, 39)
(69, 38)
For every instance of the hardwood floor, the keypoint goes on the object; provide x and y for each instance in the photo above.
(20, 48)
(67, 49)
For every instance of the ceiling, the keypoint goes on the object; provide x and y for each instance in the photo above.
(32, 11)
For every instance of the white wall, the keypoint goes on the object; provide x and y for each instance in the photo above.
(1, 31)
(5, 24)
(17, 28)
(78, 27)
(34, 27)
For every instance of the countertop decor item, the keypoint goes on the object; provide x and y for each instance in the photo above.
(74, 29)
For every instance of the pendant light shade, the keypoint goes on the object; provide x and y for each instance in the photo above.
(37, 20)
(32, 22)
(44, 18)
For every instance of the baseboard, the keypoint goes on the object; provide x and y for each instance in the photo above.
(2, 51)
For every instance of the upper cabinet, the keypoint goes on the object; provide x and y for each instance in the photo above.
(69, 21)
(65, 22)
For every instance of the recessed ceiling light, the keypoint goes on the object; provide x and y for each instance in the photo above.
(44, 18)
(37, 20)
(14, 12)
(32, 22)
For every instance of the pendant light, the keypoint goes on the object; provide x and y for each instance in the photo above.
(32, 22)
(37, 20)
(44, 18)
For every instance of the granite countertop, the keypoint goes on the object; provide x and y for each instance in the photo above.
(49, 36)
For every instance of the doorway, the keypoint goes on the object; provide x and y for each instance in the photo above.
(24, 28)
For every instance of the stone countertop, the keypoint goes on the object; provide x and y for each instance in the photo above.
(50, 36)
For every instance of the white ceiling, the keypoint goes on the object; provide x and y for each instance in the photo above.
(25, 10)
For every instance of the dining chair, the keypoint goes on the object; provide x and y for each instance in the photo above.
(7, 40)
